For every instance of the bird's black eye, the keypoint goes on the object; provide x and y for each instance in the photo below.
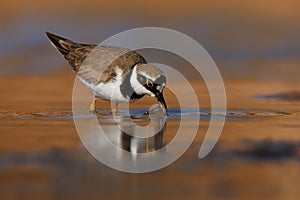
(149, 83)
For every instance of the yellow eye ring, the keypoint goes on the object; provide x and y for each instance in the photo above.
(149, 83)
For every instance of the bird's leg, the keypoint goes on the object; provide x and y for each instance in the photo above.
(93, 106)
(147, 145)
(115, 108)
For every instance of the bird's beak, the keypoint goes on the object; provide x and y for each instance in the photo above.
(160, 98)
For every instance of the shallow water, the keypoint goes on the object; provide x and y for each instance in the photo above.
(51, 159)
(40, 149)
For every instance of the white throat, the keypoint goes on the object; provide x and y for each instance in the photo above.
(137, 86)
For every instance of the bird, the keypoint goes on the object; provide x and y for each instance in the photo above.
(112, 73)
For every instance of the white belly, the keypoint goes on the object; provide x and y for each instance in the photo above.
(108, 91)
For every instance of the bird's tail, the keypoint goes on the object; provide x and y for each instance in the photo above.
(73, 52)
(63, 45)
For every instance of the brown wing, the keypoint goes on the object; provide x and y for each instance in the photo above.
(95, 63)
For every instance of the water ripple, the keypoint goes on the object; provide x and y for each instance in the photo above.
(173, 114)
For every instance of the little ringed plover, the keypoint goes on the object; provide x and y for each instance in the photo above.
(114, 74)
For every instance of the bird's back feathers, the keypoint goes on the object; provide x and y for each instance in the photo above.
(94, 63)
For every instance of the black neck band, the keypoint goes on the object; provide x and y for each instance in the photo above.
(127, 90)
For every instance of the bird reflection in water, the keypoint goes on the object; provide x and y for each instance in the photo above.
(130, 143)
(142, 145)
(138, 138)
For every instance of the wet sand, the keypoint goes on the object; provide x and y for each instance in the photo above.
(44, 158)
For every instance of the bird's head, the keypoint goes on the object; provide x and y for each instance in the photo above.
(148, 79)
